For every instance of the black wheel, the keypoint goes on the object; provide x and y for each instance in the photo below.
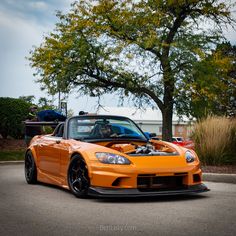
(78, 179)
(30, 169)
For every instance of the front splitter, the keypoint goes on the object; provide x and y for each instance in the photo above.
(121, 192)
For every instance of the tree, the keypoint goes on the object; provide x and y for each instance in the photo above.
(12, 112)
(227, 99)
(212, 84)
(30, 99)
(145, 49)
(45, 104)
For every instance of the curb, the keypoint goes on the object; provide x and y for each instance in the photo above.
(220, 178)
(210, 177)
(11, 162)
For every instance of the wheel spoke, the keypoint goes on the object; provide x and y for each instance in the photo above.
(78, 176)
(81, 170)
(75, 182)
(74, 170)
(84, 181)
(28, 166)
(30, 169)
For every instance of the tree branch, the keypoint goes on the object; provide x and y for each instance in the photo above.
(132, 39)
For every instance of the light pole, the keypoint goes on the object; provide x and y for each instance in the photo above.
(59, 100)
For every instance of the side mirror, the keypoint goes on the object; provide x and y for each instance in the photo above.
(152, 135)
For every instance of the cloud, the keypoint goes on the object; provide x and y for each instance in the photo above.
(39, 5)
(17, 35)
(20, 29)
(22, 25)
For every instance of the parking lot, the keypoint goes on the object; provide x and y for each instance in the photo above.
(46, 210)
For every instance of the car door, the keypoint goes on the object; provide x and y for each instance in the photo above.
(50, 152)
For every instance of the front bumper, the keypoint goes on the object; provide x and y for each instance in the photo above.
(121, 192)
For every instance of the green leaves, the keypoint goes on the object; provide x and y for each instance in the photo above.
(214, 85)
(12, 112)
(148, 49)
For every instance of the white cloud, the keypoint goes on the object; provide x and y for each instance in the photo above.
(39, 5)
(10, 1)
(17, 36)
(22, 25)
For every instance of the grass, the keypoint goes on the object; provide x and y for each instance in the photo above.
(12, 155)
(215, 140)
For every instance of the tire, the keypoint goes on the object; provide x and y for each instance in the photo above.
(77, 177)
(30, 169)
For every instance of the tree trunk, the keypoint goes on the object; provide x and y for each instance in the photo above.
(167, 115)
(167, 111)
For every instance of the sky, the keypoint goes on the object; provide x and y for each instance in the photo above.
(23, 23)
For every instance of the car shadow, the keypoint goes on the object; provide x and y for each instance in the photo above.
(143, 199)
(146, 199)
(53, 187)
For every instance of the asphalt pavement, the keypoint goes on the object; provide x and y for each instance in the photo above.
(46, 210)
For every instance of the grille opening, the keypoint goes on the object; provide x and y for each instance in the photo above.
(160, 183)
(116, 182)
(196, 178)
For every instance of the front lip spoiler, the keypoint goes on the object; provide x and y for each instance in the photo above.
(133, 192)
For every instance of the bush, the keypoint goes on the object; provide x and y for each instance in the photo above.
(12, 112)
(215, 140)
(8, 155)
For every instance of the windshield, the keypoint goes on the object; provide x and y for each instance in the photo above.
(99, 128)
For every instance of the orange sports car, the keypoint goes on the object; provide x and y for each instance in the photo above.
(110, 156)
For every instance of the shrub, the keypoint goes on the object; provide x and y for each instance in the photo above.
(215, 140)
(12, 112)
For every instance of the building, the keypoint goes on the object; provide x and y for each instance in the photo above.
(149, 120)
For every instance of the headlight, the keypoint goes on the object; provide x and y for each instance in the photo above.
(110, 158)
(189, 157)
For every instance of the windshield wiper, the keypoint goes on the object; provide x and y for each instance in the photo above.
(125, 136)
(79, 139)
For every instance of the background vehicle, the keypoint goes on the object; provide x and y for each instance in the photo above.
(184, 143)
